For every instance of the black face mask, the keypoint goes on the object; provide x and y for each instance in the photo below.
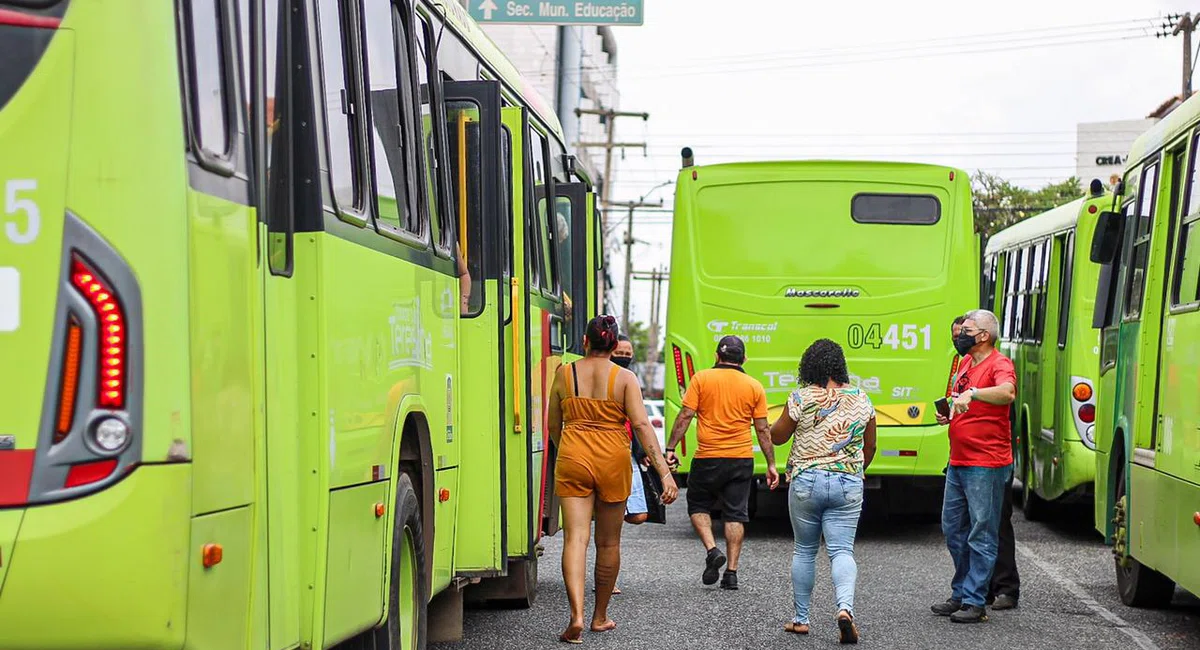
(963, 343)
(622, 361)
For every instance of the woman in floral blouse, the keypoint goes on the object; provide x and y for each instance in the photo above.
(834, 428)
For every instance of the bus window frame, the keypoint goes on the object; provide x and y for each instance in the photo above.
(443, 230)
(1138, 238)
(1186, 220)
(360, 164)
(223, 163)
(1066, 285)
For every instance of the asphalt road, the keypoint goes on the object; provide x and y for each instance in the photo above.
(1068, 594)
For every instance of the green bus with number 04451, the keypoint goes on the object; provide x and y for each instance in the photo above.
(880, 257)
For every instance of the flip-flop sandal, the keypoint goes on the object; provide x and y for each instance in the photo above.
(577, 639)
(795, 628)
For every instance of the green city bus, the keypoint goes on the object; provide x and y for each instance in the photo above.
(880, 257)
(1148, 314)
(282, 287)
(1035, 283)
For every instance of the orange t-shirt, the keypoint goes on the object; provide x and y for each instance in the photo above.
(726, 401)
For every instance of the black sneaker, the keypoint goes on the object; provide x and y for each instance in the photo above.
(1004, 601)
(712, 566)
(729, 580)
(947, 608)
(970, 614)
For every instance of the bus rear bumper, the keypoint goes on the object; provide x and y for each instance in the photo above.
(104, 571)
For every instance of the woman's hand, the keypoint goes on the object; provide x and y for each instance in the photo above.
(942, 420)
(670, 490)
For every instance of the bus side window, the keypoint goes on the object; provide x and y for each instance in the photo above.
(1019, 291)
(1142, 225)
(1186, 286)
(432, 147)
(1066, 272)
(394, 207)
(536, 176)
(208, 72)
(466, 178)
(1041, 279)
(1009, 306)
(341, 112)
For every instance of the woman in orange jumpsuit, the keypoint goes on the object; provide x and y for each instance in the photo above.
(589, 404)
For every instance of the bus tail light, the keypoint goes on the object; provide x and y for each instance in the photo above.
(691, 366)
(1083, 408)
(678, 356)
(85, 473)
(110, 318)
(69, 384)
(1082, 392)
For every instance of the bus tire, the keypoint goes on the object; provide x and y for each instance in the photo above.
(1032, 506)
(408, 602)
(1138, 585)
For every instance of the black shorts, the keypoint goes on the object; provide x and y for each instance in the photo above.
(721, 484)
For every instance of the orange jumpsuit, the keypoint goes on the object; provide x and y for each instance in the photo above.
(593, 454)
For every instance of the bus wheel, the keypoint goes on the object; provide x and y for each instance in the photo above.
(407, 603)
(1032, 505)
(1138, 584)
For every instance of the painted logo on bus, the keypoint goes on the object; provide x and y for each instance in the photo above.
(821, 293)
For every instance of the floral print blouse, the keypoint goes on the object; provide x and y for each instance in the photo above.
(830, 425)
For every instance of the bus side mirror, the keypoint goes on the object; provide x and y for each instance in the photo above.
(1107, 239)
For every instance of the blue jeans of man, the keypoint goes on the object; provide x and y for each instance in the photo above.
(971, 522)
(824, 502)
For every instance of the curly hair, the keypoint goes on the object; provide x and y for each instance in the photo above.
(822, 361)
(602, 333)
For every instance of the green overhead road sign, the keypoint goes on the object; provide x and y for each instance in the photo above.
(558, 12)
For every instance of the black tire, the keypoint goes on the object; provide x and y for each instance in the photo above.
(408, 601)
(1032, 506)
(1138, 584)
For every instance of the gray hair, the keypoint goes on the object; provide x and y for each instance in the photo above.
(986, 321)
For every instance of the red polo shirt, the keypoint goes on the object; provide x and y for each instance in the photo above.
(982, 437)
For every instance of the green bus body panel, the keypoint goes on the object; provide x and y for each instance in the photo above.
(1062, 463)
(273, 407)
(355, 582)
(728, 278)
(135, 591)
(223, 285)
(219, 597)
(1151, 429)
(37, 119)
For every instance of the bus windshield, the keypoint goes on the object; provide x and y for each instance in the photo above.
(821, 229)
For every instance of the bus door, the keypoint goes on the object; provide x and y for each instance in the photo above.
(478, 172)
(524, 483)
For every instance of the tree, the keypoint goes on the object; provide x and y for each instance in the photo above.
(999, 203)
(639, 335)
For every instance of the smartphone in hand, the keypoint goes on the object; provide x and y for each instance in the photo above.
(942, 406)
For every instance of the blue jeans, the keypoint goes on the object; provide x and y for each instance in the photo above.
(971, 523)
(824, 502)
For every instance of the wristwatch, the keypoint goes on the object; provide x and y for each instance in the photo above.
(974, 393)
(669, 451)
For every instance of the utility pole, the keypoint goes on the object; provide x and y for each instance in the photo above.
(657, 277)
(609, 117)
(1185, 25)
(629, 242)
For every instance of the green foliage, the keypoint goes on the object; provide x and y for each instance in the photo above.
(639, 335)
(1000, 203)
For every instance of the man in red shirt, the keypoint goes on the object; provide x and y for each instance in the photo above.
(980, 465)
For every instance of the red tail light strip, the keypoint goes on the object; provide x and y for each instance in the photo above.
(85, 473)
(111, 322)
(16, 468)
(21, 19)
(678, 356)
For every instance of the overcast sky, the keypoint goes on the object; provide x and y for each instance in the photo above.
(763, 79)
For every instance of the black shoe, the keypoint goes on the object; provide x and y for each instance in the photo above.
(712, 566)
(729, 580)
(970, 614)
(1004, 601)
(947, 608)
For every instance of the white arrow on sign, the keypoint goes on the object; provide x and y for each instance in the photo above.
(487, 8)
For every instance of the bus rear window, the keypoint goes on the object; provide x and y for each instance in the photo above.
(900, 209)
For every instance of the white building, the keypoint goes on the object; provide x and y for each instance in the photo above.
(1101, 148)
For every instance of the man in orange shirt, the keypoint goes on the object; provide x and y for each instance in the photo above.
(727, 402)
